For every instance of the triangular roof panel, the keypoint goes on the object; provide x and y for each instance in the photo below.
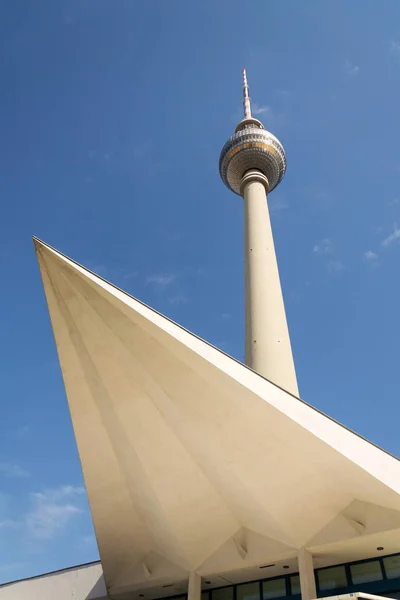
(190, 459)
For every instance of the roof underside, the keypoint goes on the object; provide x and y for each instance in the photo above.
(191, 460)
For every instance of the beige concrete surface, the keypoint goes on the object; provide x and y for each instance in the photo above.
(193, 462)
(268, 349)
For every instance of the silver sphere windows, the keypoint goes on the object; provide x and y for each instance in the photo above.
(252, 148)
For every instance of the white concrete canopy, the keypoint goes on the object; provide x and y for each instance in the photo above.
(192, 462)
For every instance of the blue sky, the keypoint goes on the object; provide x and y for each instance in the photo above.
(112, 117)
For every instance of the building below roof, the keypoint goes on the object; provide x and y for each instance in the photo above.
(340, 582)
(83, 582)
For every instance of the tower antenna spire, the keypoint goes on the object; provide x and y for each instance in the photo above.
(246, 97)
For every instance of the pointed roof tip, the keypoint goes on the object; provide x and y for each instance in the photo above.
(43, 251)
(37, 241)
(40, 244)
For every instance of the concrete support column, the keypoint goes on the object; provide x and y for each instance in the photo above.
(268, 349)
(306, 573)
(194, 589)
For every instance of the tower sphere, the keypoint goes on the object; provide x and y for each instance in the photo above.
(251, 147)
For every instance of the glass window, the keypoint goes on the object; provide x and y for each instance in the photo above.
(392, 566)
(332, 578)
(365, 572)
(205, 595)
(274, 588)
(222, 594)
(295, 584)
(248, 591)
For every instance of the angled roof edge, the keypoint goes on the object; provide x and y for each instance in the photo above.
(50, 573)
(37, 242)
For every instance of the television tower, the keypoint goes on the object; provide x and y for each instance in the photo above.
(251, 164)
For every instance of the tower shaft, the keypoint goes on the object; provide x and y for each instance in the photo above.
(268, 348)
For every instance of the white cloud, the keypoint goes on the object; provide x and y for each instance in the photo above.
(335, 266)
(351, 69)
(395, 48)
(10, 469)
(371, 257)
(393, 237)
(276, 119)
(22, 432)
(178, 299)
(100, 270)
(161, 280)
(258, 109)
(88, 540)
(142, 149)
(131, 275)
(277, 204)
(324, 247)
(115, 274)
(9, 524)
(52, 510)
